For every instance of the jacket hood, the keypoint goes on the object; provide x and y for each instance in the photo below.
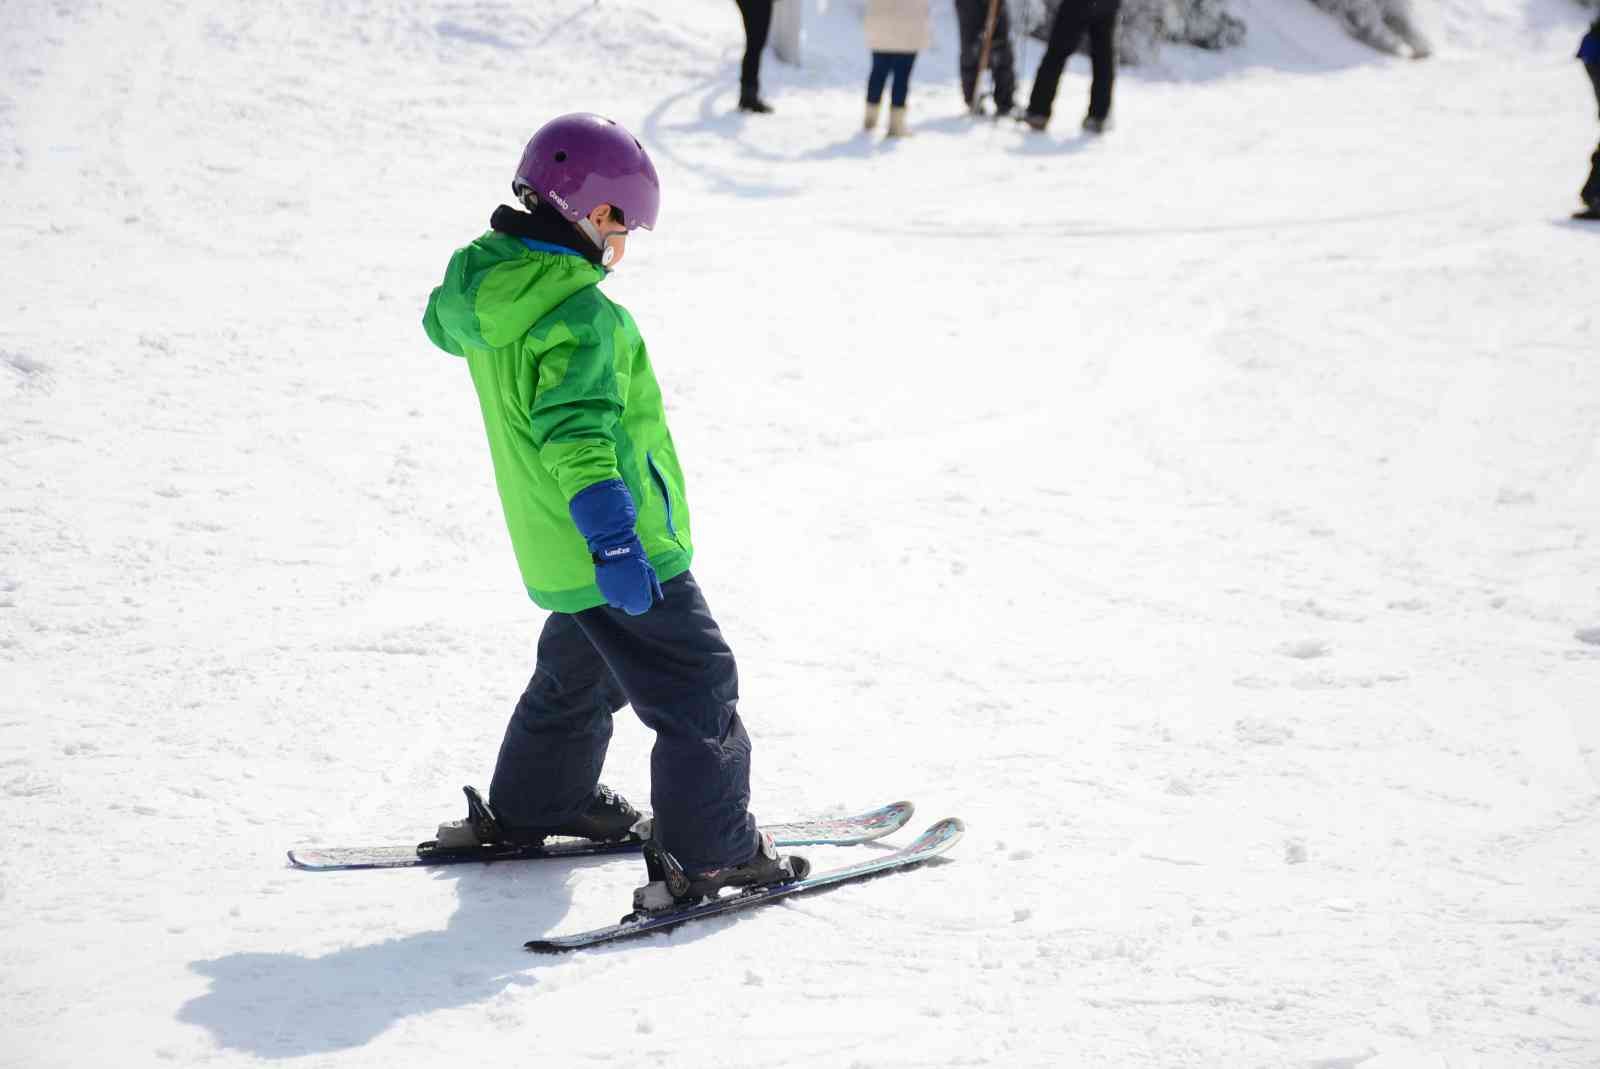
(496, 288)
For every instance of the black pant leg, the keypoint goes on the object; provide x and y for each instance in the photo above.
(555, 744)
(969, 19)
(1065, 33)
(1002, 64)
(680, 678)
(1103, 58)
(1591, 188)
(757, 22)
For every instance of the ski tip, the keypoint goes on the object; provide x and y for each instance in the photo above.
(940, 836)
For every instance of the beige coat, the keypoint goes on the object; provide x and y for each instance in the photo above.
(898, 25)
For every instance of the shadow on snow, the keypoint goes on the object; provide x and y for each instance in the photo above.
(288, 1005)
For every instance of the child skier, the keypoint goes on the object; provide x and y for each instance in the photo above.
(896, 31)
(593, 495)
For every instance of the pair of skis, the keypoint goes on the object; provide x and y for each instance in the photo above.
(841, 831)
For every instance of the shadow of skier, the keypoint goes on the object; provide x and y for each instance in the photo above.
(286, 1005)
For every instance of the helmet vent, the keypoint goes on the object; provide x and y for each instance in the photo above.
(561, 157)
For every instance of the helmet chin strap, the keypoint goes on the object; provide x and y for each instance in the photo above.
(592, 232)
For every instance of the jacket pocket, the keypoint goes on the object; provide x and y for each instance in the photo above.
(666, 495)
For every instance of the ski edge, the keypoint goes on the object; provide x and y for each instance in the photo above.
(866, 827)
(933, 842)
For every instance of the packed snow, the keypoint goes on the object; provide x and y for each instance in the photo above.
(1205, 513)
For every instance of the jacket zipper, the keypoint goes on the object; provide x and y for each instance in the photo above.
(661, 484)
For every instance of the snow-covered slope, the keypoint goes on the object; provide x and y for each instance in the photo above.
(1204, 513)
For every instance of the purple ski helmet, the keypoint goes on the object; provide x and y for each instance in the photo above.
(578, 161)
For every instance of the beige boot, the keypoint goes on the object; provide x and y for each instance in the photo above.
(871, 121)
(897, 123)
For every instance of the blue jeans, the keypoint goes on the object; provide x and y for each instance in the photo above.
(672, 665)
(885, 64)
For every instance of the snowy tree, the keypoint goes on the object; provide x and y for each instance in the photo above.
(1145, 24)
(1386, 25)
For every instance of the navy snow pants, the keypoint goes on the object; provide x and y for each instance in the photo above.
(672, 665)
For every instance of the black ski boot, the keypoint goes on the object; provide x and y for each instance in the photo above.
(607, 817)
(670, 886)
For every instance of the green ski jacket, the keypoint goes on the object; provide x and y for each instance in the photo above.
(569, 400)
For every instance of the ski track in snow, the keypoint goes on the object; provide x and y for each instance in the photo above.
(1204, 513)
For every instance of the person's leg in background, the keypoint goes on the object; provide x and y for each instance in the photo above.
(1103, 60)
(1065, 33)
(757, 16)
(900, 64)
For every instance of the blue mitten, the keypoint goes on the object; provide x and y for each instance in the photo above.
(605, 517)
(1589, 48)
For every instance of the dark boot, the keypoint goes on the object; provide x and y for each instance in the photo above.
(606, 818)
(750, 101)
(670, 886)
(765, 866)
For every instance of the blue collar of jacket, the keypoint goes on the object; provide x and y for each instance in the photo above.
(560, 250)
(546, 246)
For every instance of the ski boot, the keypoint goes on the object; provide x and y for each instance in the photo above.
(1095, 125)
(670, 886)
(607, 818)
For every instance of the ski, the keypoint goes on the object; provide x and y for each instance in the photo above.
(820, 831)
(930, 844)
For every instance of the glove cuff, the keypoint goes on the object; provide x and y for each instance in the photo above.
(605, 516)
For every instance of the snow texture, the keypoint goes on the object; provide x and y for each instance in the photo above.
(1205, 513)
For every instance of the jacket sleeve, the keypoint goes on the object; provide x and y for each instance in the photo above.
(578, 400)
(435, 329)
